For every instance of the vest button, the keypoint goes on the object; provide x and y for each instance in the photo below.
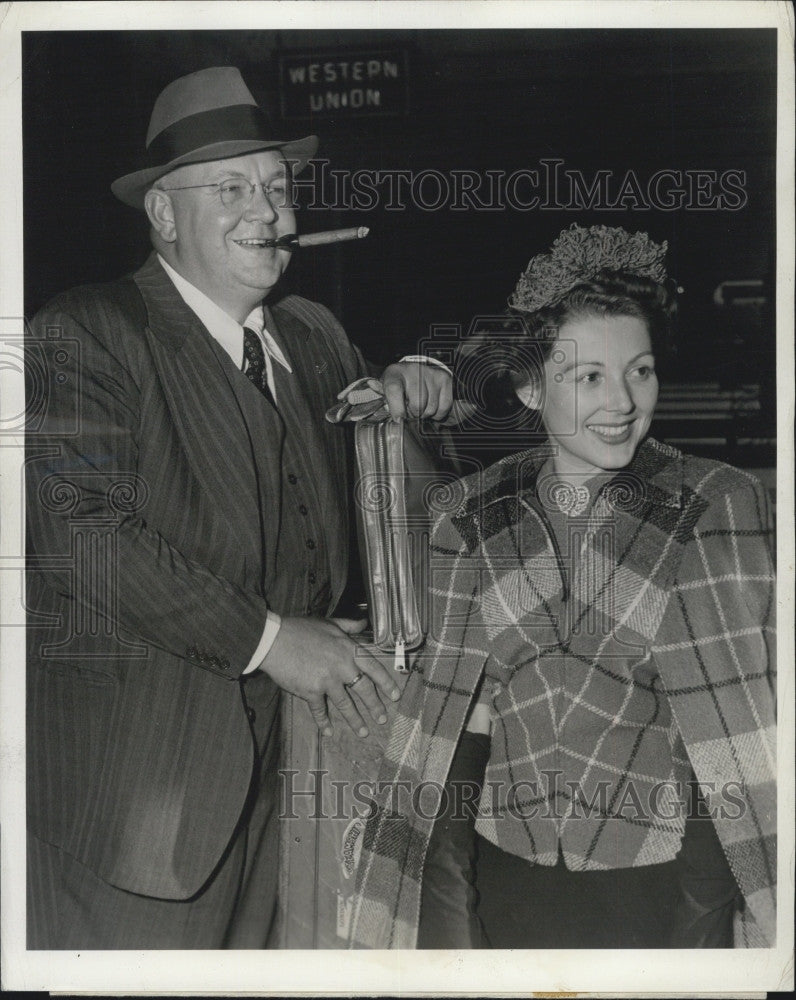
(303, 509)
(310, 543)
(251, 714)
(292, 479)
(311, 577)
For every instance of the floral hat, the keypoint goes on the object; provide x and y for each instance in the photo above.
(579, 255)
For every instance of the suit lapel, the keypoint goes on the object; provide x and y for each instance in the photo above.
(198, 381)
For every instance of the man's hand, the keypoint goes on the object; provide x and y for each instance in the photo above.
(413, 389)
(315, 659)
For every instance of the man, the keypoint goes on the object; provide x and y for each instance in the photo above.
(188, 540)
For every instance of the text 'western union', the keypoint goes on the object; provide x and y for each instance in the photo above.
(370, 84)
(334, 72)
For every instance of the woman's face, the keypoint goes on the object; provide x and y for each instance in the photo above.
(600, 392)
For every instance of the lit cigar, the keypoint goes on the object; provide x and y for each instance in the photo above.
(293, 242)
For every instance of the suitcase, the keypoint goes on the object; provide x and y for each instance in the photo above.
(326, 779)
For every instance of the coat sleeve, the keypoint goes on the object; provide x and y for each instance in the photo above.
(87, 428)
(715, 654)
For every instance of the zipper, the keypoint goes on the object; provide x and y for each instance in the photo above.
(399, 661)
(400, 556)
(398, 618)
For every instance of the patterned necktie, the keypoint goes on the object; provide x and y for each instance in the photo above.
(255, 363)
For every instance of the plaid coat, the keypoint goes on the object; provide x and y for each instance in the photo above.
(690, 580)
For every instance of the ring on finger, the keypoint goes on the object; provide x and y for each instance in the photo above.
(356, 680)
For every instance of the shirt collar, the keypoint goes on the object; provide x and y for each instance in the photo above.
(256, 321)
(222, 327)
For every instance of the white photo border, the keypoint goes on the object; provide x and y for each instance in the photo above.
(385, 973)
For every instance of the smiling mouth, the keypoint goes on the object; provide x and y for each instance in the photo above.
(611, 433)
(255, 243)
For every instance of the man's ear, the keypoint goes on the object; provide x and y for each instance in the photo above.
(160, 210)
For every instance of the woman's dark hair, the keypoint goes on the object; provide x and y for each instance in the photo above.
(610, 293)
(517, 360)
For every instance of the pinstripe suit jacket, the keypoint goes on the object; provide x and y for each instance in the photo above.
(687, 583)
(154, 492)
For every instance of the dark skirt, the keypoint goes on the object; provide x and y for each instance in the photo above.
(522, 905)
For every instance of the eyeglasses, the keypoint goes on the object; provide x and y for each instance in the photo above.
(239, 192)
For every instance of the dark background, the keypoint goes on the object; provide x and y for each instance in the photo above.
(477, 100)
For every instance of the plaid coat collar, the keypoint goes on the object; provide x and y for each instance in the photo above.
(656, 474)
(502, 512)
(724, 726)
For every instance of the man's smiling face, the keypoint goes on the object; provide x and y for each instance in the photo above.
(221, 248)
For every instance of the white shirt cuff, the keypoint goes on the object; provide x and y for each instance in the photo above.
(422, 359)
(272, 623)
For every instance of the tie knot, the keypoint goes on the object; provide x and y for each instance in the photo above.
(252, 347)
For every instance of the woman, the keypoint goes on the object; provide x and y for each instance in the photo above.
(600, 640)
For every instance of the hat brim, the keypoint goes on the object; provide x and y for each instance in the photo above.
(132, 188)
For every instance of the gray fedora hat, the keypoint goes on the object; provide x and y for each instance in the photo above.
(208, 115)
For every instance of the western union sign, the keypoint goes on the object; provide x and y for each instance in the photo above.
(350, 85)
